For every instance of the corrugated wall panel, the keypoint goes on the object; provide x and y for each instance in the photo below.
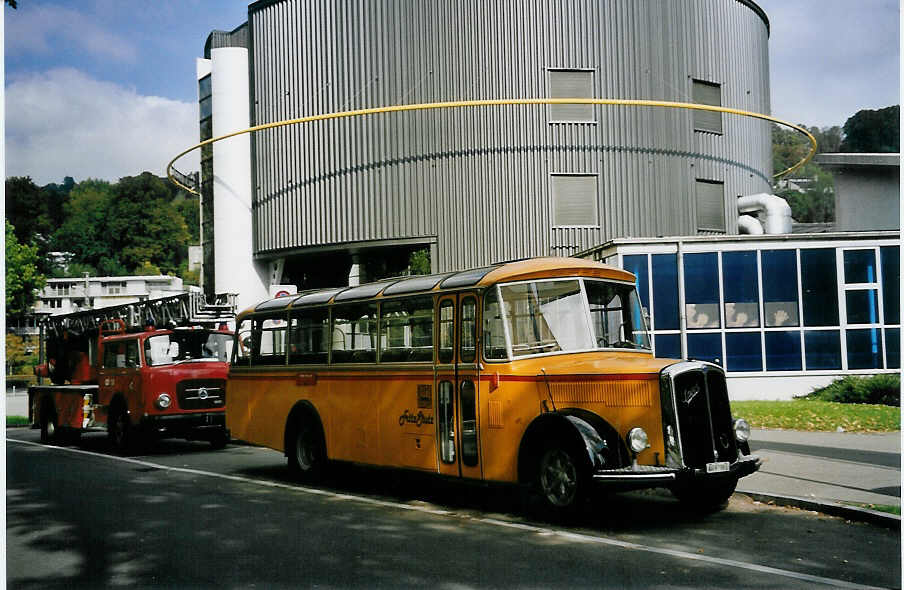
(478, 179)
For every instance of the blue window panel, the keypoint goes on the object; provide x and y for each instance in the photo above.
(891, 283)
(742, 351)
(862, 306)
(668, 346)
(860, 266)
(701, 278)
(637, 264)
(822, 349)
(864, 349)
(742, 293)
(893, 348)
(665, 291)
(819, 281)
(780, 288)
(705, 347)
(701, 290)
(783, 351)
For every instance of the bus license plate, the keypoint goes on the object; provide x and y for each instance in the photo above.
(720, 467)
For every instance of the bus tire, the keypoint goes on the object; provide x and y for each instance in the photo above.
(705, 496)
(119, 430)
(306, 450)
(562, 480)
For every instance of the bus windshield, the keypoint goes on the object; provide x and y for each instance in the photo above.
(190, 345)
(570, 315)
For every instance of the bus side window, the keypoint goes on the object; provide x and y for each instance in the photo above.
(446, 331)
(406, 330)
(354, 334)
(310, 331)
(242, 352)
(468, 344)
(493, 329)
(268, 341)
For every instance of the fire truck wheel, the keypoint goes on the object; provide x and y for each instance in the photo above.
(49, 429)
(307, 451)
(118, 430)
(219, 440)
(562, 480)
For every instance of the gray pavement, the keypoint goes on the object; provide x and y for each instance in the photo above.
(827, 466)
(818, 466)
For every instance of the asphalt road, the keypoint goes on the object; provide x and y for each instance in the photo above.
(185, 516)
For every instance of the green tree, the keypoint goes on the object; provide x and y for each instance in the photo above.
(84, 231)
(147, 225)
(23, 279)
(871, 131)
(19, 354)
(419, 262)
(117, 228)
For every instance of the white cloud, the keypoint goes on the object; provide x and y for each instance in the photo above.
(65, 123)
(40, 28)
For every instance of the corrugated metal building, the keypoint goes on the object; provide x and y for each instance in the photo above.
(478, 185)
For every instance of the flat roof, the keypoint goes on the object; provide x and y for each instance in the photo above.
(845, 160)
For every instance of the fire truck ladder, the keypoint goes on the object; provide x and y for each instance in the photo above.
(182, 309)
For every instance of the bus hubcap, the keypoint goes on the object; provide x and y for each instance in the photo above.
(558, 477)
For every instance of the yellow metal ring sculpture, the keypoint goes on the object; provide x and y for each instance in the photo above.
(502, 102)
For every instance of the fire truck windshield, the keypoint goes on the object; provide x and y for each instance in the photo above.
(189, 345)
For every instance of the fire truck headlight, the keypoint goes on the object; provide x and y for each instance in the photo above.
(164, 401)
(741, 430)
(638, 440)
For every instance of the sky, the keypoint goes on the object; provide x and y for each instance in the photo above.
(107, 88)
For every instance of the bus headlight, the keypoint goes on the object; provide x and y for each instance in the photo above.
(164, 401)
(638, 440)
(741, 430)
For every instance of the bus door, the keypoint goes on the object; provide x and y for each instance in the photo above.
(457, 370)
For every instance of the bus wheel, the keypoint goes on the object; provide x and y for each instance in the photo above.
(562, 480)
(118, 430)
(307, 451)
(49, 429)
(705, 496)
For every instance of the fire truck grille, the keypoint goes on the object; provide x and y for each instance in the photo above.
(704, 417)
(202, 394)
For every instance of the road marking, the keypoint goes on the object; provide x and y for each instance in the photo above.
(578, 537)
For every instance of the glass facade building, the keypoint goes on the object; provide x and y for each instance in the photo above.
(814, 305)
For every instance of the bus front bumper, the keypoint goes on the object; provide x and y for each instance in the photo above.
(651, 476)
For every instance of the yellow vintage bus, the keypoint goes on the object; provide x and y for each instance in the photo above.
(537, 372)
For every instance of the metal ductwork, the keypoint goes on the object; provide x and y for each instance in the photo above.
(776, 211)
(747, 224)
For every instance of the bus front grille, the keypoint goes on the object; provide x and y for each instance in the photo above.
(696, 403)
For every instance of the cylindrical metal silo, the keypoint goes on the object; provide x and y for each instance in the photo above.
(506, 182)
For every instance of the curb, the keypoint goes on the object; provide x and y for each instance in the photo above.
(883, 519)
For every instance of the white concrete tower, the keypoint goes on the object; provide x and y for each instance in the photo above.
(234, 266)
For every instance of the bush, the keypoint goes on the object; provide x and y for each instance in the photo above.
(882, 389)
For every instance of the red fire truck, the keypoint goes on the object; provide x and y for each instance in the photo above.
(139, 380)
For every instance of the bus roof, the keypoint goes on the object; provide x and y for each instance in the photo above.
(521, 270)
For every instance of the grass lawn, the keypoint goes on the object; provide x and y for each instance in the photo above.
(817, 415)
(16, 421)
(878, 507)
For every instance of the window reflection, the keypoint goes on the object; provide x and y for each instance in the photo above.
(701, 290)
